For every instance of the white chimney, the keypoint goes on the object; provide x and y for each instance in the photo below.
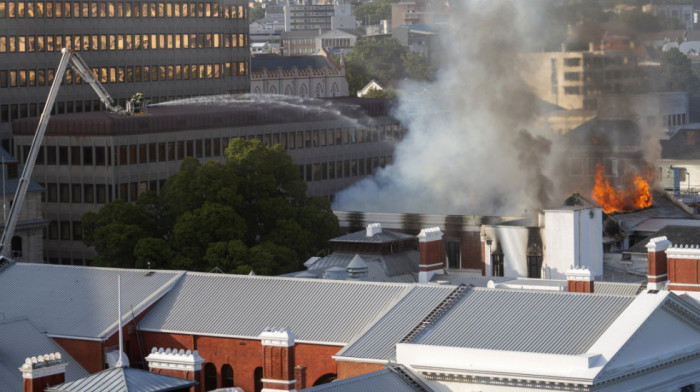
(373, 228)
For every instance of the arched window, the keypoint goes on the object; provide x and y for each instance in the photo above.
(209, 376)
(16, 246)
(288, 91)
(257, 90)
(226, 376)
(302, 91)
(326, 378)
(319, 91)
(272, 90)
(334, 90)
(257, 376)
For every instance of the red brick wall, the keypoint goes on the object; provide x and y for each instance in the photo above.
(684, 271)
(352, 369)
(580, 286)
(88, 353)
(432, 252)
(472, 252)
(657, 264)
(39, 384)
(244, 355)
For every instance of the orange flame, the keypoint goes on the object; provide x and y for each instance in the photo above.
(637, 197)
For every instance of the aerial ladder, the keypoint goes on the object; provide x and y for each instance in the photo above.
(68, 57)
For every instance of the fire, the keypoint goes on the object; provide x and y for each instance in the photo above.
(635, 198)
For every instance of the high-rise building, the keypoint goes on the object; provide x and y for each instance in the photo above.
(163, 49)
(319, 16)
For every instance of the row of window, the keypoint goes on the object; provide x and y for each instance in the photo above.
(79, 193)
(534, 265)
(203, 148)
(137, 73)
(339, 169)
(119, 9)
(97, 42)
(64, 230)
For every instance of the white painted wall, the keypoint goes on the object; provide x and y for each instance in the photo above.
(512, 241)
(573, 237)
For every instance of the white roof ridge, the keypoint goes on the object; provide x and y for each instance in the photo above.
(610, 343)
(292, 278)
(92, 267)
(148, 301)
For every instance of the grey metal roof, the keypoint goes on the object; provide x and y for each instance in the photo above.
(529, 321)
(78, 301)
(677, 147)
(379, 341)
(384, 236)
(317, 310)
(20, 340)
(399, 267)
(123, 380)
(357, 262)
(616, 288)
(662, 207)
(397, 379)
(687, 235)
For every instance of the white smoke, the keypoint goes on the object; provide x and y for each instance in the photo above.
(466, 149)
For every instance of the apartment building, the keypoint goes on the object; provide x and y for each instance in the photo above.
(89, 159)
(163, 49)
(319, 17)
(574, 80)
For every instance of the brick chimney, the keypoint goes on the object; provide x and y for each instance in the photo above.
(278, 360)
(683, 267)
(579, 280)
(300, 376)
(43, 371)
(658, 269)
(432, 253)
(177, 363)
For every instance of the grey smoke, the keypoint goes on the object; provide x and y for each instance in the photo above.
(464, 152)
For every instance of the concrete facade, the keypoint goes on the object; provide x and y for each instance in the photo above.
(163, 50)
(90, 159)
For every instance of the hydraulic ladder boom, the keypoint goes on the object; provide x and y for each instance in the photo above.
(80, 67)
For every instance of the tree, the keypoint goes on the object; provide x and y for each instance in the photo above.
(256, 13)
(251, 213)
(372, 13)
(383, 60)
(387, 93)
(676, 72)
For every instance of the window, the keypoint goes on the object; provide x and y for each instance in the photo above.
(534, 266)
(16, 246)
(87, 156)
(453, 254)
(575, 62)
(65, 230)
(88, 195)
(209, 376)
(63, 155)
(64, 193)
(77, 193)
(497, 264)
(572, 90)
(53, 230)
(227, 376)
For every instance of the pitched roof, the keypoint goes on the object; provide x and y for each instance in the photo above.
(663, 207)
(676, 234)
(395, 267)
(604, 133)
(78, 301)
(379, 341)
(20, 340)
(383, 237)
(325, 311)
(394, 379)
(677, 147)
(527, 321)
(124, 380)
(271, 63)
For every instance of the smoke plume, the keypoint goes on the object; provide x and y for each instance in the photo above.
(466, 151)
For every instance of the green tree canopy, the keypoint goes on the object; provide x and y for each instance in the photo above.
(384, 60)
(251, 213)
(372, 13)
(256, 13)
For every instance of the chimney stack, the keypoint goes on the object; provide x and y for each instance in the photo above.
(43, 371)
(683, 267)
(657, 276)
(177, 363)
(432, 253)
(278, 360)
(373, 228)
(579, 280)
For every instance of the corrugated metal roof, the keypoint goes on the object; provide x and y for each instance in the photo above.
(529, 321)
(381, 380)
(78, 301)
(379, 341)
(384, 236)
(398, 267)
(457, 278)
(315, 310)
(616, 288)
(123, 380)
(20, 340)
